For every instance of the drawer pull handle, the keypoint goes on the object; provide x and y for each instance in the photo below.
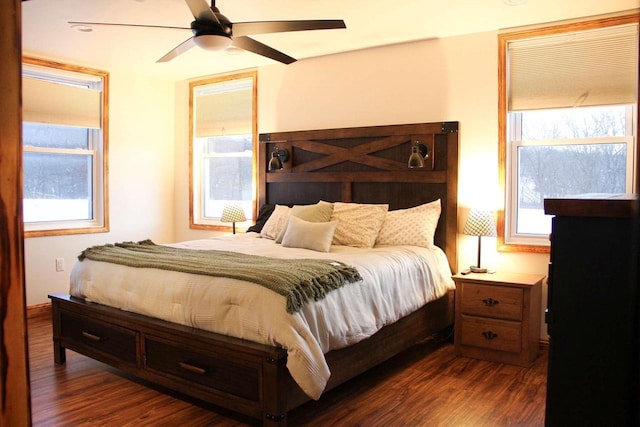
(91, 337)
(490, 302)
(193, 369)
(489, 335)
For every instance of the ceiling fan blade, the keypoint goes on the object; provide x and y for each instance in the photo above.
(126, 25)
(201, 11)
(255, 46)
(262, 27)
(180, 49)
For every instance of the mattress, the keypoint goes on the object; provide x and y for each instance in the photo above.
(396, 280)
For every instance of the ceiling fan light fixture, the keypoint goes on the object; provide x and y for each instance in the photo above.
(212, 42)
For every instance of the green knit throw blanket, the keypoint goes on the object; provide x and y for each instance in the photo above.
(300, 280)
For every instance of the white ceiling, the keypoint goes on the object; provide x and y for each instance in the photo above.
(370, 23)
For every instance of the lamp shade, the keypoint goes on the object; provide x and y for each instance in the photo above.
(480, 223)
(278, 157)
(232, 213)
(415, 159)
(275, 163)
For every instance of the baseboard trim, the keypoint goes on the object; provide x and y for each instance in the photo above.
(39, 311)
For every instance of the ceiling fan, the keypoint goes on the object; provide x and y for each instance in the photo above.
(213, 31)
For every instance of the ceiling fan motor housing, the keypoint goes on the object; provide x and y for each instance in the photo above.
(206, 27)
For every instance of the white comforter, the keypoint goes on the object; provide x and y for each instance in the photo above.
(396, 281)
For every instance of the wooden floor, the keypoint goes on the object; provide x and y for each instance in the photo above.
(425, 386)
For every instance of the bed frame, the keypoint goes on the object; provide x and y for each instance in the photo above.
(364, 165)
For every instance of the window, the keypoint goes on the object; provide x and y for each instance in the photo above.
(567, 112)
(223, 146)
(64, 149)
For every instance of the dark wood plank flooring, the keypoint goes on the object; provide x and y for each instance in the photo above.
(425, 386)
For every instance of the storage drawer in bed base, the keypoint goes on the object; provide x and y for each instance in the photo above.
(103, 341)
(238, 379)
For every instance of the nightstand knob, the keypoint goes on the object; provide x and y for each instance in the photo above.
(490, 302)
(489, 335)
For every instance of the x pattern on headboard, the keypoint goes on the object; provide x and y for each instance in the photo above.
(367, 165)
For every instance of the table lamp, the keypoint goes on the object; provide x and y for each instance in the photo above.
(233, 214)
(480, 223)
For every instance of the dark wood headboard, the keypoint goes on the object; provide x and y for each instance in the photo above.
(367, 165)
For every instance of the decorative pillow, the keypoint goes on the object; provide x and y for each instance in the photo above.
(263, 216)
(414, 226)
(358, 224)
(316, 236)
(276, 222)
(320, 212)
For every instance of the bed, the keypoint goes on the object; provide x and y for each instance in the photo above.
(257, 376)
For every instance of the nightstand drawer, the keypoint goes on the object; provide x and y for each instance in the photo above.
(492, 334)
(492, 301)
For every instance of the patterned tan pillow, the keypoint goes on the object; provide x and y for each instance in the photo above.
(358, 224)
(276, 222)
(414, 226)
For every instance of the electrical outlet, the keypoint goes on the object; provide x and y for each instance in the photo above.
(59, 264)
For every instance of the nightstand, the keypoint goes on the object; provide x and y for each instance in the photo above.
(498, 316)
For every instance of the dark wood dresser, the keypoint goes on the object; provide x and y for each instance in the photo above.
(592, 312)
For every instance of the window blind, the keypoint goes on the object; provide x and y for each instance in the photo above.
(224, 109)
(49, 102)
(585, 68)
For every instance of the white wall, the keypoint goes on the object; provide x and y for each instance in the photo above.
(141, 182)
(451, 79)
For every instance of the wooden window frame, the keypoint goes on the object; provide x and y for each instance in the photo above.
(503, 76)
(103, 205)
(193, 224)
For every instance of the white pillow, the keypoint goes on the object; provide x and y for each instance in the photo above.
(414, 226)
(276, 222)
(320, 212)
(316, 236)
(358, 224)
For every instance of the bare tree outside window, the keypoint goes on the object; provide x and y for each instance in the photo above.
(567, 152)
(58, 173)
